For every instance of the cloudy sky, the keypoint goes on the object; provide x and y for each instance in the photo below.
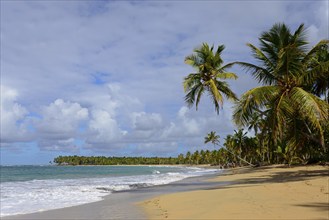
(105, 77)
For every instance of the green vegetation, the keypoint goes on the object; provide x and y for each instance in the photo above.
(209, 77)
(101, 160)
(196, 158)
(289, 113)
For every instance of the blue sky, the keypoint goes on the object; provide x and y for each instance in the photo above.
(105, 77)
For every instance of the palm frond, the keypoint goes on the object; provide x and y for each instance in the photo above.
(314, 50)
(226, 66)
(225, 89)
(191, 80)
(226, 75)
(261, 74)
(193, 60)
(217, 96)
(311, 107)
(256, 98)
(194, 92)
(288, 64)
(199, 95)
(269, 51)
(216, 104)
(258, 54)
(299, 38)
(319, 71)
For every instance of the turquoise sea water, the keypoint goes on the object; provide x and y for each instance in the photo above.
(27, 189)
(26, 173)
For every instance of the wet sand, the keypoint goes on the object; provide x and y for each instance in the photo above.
(120, 205)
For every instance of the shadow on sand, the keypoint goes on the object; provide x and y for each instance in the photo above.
(282, 176)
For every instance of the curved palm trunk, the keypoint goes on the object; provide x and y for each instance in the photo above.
(240, 157)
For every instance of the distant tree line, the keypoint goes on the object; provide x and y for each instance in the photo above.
(102, 160)
(238, 149)
(214, 157)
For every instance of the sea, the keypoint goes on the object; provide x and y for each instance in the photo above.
(29, 189)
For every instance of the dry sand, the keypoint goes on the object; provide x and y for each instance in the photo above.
(254, 193)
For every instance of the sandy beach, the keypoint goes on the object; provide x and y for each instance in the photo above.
(274, 192)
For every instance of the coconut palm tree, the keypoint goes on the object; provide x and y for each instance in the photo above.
(214, 139)
(209, 77)
(285, 68)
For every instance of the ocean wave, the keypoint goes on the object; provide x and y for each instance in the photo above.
(40, 195)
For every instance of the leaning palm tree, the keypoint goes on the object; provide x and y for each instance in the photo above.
(286, 69)
(209, 77)
(214, 139)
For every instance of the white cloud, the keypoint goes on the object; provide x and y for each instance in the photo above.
(143, 121)
(103, 130)
(190, 126)
(66, 145)
(59, 125)
(60, 119)
(13, 118)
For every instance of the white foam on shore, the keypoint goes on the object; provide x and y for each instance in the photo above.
(41, 195)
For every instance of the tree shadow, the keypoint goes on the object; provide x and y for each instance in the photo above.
(281, 176)
(318, 206)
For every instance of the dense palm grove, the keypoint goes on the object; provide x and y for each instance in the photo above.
(288, 113)
(101, 160)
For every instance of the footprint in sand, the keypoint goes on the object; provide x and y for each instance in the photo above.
(308, 183)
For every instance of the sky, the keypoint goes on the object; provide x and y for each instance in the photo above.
(105, 77)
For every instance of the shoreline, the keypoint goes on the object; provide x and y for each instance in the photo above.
(270, 192)
(121, 204)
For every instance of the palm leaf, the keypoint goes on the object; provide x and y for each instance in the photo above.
(226, 75)
(225, 89)
(260, 73)
(256, 98)
(214, 92)
(314, 50)
(312, 108)
(192, 93)
(318, 71)
(199, 94)
(261, 56)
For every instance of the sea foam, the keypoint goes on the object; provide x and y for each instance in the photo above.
(40, 195)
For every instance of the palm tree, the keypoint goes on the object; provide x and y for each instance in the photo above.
(209, 77)
(286, 69)
(214, 139)
(196, 157)
(255, 121)
(240, 138)
(188, 157)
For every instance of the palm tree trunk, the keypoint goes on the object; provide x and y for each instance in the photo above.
(239, 157)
